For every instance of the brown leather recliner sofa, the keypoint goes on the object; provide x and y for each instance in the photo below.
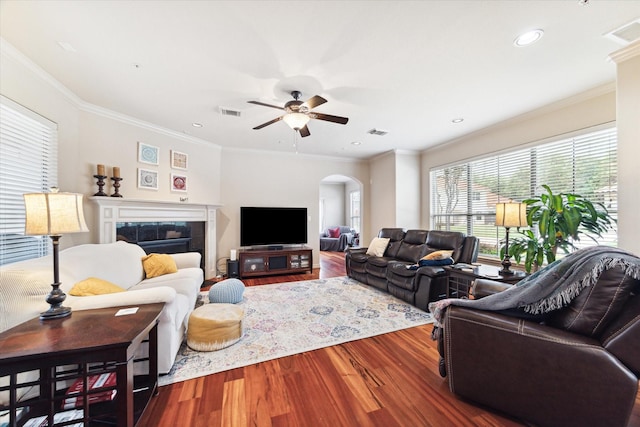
(579, 366)
(390, 273)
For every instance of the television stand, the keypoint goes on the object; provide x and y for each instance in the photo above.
(269, 262)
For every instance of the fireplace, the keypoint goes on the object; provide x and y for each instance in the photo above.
(160, 227)
(166, 237)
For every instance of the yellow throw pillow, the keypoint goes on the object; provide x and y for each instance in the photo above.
(378, 246)
(438, 255)
(94, 286)
(158, 264)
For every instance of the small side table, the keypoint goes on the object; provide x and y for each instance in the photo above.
(96, 342)
(460, 278)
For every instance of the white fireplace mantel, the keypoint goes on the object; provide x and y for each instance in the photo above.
(112, 210)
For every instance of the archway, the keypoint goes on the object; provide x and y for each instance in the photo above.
(340, 204)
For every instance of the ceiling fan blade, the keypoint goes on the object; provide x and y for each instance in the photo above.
(277, 119)
(315, 101)
(329, 118)
(265, 105)
(304, 131)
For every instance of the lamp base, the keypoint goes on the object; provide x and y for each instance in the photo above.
(55, 299)
(55, 313)
(506, 266)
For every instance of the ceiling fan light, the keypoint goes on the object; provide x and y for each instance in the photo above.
(528, 38)
(296, 121)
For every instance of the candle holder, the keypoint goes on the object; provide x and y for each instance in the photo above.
(116, 186)
(100, 183)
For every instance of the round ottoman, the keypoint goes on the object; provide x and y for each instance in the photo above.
(214, 326)
(228, 291)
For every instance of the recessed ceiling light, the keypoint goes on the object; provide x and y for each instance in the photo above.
(528, 38)
(457, 120)
(196, 125)
(356, 143)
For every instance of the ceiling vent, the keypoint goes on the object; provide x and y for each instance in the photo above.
(626, 34)
(380, 132)
(230, 112)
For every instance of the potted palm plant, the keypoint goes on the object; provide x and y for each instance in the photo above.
(556, 221)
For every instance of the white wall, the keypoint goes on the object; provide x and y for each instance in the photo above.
(628, 104)
(407, 190)
(261, 178)
(334, 204)
(383, 200)
(88, 136)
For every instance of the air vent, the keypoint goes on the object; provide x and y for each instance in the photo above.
(230, 112)
(380, 132)
(626, 34)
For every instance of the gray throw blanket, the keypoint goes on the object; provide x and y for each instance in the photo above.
(550, 288)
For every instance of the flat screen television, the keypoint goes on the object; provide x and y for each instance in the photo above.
(272, 226)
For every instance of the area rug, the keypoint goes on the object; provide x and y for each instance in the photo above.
(290, 318)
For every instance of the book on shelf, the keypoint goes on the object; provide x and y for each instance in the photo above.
(59, 417)
(94, 382)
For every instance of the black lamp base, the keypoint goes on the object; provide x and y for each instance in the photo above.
(55, 299)
(506, 266)
(55, 313)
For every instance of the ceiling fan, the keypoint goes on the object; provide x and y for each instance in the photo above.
(299, 113)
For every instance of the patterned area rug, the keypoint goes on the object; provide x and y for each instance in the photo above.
(289, 318)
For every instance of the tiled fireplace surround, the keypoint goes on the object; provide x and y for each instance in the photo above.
(114, 210)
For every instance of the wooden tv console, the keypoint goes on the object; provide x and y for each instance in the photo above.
(265, 262)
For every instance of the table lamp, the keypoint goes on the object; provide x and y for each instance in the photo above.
(54, 214)
(510, 215)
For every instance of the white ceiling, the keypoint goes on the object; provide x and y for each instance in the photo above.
(408, 67)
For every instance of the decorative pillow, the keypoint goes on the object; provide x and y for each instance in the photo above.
(435, 262)
(334, 232)
(377, 246)
(94, 286)
(438, 255)
(158, 264)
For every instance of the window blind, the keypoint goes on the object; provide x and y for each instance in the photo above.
(28, 164)
(463, 196)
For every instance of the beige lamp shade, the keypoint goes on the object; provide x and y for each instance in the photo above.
(511, 215)
(296, 121)
(53, 214)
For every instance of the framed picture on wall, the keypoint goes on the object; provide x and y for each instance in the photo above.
(179, 160)
(148, 154)
(178, 182)
(147, 179)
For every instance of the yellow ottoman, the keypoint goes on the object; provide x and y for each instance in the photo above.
(214, 327)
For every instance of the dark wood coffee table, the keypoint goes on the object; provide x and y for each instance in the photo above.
(88, 343)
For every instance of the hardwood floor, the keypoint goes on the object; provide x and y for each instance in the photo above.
(388, 380)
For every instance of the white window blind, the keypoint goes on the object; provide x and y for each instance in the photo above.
(354, 210)
(463, 196)
(28, 164)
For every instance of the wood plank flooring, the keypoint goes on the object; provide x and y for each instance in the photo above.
(388, 380)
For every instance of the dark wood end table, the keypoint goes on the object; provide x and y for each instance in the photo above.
(460, 277)
(92, 342)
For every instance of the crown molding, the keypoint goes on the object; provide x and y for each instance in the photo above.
(293, 153)
(549, 108)
(626, 53)
(11, 52)
(123, 118)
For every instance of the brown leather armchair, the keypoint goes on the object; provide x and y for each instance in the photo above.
(577, 366)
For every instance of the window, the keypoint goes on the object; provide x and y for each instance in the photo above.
(463, 196)
(354, 210)
(28, 164)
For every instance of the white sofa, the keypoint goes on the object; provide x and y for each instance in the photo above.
(24, 286)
